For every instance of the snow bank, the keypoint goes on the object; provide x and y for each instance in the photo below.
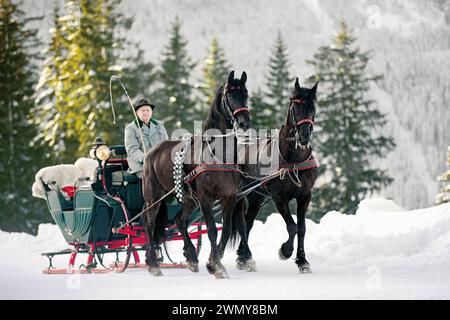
(381, 252)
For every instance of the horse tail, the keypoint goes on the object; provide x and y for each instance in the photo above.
(234, 237)
(161, 222)
(238, 221)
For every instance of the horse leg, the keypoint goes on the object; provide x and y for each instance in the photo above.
(150, 255)
(287, 248)
(189, 249)
(302, 205)
(214, 266)
(152, 192)
(227, 221)
(245, 262)
(250, 215)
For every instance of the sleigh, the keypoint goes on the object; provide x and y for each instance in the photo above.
(103, 216)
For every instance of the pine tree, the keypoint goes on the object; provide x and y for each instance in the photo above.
(74, 95)
(20, 158)
(444, 194)
(262, 113)
(215, 73)
(174, 96)
(278, 82)
(138, 78)
(350, 125)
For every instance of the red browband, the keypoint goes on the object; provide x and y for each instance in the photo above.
(240, 110)
(300, 101)
(299, 122)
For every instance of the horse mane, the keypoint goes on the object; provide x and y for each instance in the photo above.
(214, 113)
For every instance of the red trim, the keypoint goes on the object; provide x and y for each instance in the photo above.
(75, 271)
(139, 239)
(209, 170)
(293, 164)
(118, 160)
(215, 163)
(314, 164)
(300, 101)
(240, 110)
(299, 122)
(70, 190)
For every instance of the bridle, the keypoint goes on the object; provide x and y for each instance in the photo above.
(232, 113)
(296, 123)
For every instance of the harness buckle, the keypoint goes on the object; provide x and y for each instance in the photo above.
(282, 174)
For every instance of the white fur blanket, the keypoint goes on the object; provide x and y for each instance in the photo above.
(64, 175)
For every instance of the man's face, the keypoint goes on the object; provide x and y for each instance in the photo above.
(145, 113)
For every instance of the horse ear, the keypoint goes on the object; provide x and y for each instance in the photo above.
(314, 90)
(244, 77)
(231, 76)
(297, 85)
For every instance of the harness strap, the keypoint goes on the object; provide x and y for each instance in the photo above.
(305, 165)
(299, 122)
(244, 109)
(291, 167)
(210, 167)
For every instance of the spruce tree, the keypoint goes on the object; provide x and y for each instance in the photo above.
(20, 158)
(174, 96)
(350, 127)
(444, 194)
(279, 82)
(262, 112)
(215, 73)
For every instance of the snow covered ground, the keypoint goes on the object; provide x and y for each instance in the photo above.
(383, 252)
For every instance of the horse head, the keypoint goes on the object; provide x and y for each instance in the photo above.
(302, 110)
(235, 97)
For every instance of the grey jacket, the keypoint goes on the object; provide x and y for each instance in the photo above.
(133, 144)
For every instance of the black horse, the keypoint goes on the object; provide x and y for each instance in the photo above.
(297, 181)
(229, 110)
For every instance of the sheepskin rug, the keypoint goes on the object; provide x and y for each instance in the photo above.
(64, 175)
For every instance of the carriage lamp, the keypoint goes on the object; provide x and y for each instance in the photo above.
(102, 153)
(99, 150)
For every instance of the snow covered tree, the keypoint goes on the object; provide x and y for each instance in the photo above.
(174, 96)
(86, 48)
(279, 82)
(350, 127)
(444, 194)
(215, 73)
(19, 157)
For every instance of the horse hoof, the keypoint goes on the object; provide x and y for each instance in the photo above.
(211, 269)
(155, 271)
(221, 274)
(304, 268)
(249, 265)
(193, 266)
(282, 256)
